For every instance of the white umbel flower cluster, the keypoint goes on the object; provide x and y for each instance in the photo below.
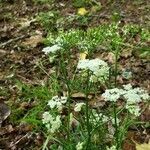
(113, 94)
(99, 117)
(98, 67)
(52, 49)
(133, 109)
(52, 123)
(132, 96)
(57, 102)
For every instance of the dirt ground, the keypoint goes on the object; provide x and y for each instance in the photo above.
(20, 49)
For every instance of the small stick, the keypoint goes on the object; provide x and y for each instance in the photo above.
(12, 40)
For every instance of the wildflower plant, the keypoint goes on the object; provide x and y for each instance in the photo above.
(77, 125)
(132, 98)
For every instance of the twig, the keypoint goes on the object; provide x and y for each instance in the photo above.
(12, 40)
(23, 137)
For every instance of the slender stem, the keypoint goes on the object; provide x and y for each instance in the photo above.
(66, 81)
(116, 66)
(114, 104)
(46, 142)
(69, 110)
(87, 113)
(116, 127)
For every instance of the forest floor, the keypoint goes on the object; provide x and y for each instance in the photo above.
(21, 44)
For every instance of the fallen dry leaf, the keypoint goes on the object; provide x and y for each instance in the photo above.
(4, 112)
(126, 53)
(33, 41)
(83, 55)
(80, 95)
(110, 57)
(82, 11)
(145, 146)
(97, 102)
(24, 22)
(7, 129)
(2, 52)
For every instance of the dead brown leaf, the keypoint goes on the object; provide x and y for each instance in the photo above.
(24, 22)
(111, 57)
(33, 41)
(145, 146)
(126, 53)
(6, 129)
(80, 95)
(97, 102)
(2, 52)
(4, 112)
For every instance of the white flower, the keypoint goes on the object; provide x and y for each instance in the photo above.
(111, 148)
(112, 94)
(55, 124)
(83, 64)
(48, 126)
(113, 120)
(145, 96)
(93, 64)
(127, 87)
(51, 49)
(133, 109)
(94, 79)
(79, 146)
(100, 75)
(78, 106)
(51, 123)
(132, 97)
(57, 102)
(63, 99)
(52, 103)
(47, 117)
(98, 117)
(99, 68)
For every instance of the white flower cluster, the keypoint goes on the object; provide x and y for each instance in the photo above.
(57, 102)
(52, 49)
(79, 146)
(98, 67)
(133, 109)
(132, 96)
(97, 117)
(113, 94)
(52, 123)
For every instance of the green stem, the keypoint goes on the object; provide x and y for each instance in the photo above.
(114, 105)
(116, 66)
(67, 83)
(69, 109)
(46, 142)
(116, 127)
(87, 113)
